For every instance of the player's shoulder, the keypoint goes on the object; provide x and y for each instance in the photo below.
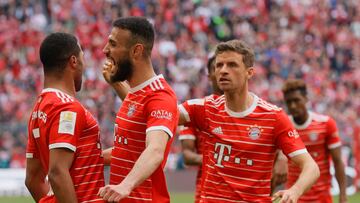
(266, 106)
(59, 100)
(157, 86)
(215, 100)
(321, 118)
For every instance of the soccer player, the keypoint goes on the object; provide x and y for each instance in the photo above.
(244, 132)
(192, 140)
(63, 137)
(146, 121)
(321, 138)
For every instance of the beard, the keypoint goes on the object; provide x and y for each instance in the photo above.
(123, 72)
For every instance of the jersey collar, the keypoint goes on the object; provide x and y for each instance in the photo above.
(54, 90)
(304, 125)
(247, 111)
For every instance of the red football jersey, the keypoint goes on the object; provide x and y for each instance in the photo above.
(191, 133)
(150, 106)
(241, 147)
(319, 134)
(60, 121)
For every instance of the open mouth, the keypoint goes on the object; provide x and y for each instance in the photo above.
(110, 59)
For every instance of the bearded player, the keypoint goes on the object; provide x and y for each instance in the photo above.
(146, 121)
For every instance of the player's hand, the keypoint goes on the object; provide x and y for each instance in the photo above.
(114, 193)
(107, 70)
(287, 196)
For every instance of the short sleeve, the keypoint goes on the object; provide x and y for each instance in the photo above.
(194, 112)
(332, 137)
(187, 133)
(161, 113)
(31, 151)
(287, 138)
(67, 124)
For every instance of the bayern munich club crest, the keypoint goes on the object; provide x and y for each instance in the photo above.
(131, 110)
(313, 136)
(254, 132)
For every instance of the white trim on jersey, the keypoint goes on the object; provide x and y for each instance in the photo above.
(303, 126)
(62, 95)
(334, 145)
(160, 127)
(247, 111)
(62, 145)
(199, 102)
(184, 112)
(187, 137)
(297, 152)
(29, 155)
(146, 83)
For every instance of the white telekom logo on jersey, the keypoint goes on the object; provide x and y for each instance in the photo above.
(220, 155)
(161, 114)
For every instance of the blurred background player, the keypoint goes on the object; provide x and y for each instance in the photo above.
(244, 132)
(321, 138)
(63, 137)
(192, 141)
(146, 121)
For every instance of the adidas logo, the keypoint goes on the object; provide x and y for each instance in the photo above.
(218, 130)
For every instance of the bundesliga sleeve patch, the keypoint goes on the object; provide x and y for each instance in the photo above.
(67, 122)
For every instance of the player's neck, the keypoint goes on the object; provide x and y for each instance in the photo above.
(238, 101)
(301, 119)
(141, 74)
(63, 85)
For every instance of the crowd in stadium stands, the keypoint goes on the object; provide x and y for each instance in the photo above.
(317, 40)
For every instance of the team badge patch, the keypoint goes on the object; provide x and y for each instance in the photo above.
(67, 122)
(131, 110)
(254, 132)
(313, 136)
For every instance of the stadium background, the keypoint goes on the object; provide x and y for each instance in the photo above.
(317, 40)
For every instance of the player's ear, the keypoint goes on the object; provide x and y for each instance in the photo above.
(250, 72)
(137, 51)
(73, 60)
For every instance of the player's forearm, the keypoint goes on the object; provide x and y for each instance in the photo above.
(192, 158)
(308, 176)
(147, 163)
(62, 185)
(341, 179)
(107, 156)
(37, 186)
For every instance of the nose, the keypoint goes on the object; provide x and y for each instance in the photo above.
(223, 70)
(106, 49)
(292, 105)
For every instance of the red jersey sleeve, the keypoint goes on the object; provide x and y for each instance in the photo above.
(187, 133)
(287, 138)
(194, 112)
(332, 137)
(162, 113)
(66, 126)
(31, 151)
